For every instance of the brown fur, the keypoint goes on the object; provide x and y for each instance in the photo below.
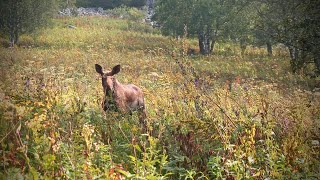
(125, 98)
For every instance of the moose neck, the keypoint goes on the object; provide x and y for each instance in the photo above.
(112, 91)
(115, 84)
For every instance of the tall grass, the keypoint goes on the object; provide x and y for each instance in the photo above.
(222, 116)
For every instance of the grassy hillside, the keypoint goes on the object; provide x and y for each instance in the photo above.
(227, 116)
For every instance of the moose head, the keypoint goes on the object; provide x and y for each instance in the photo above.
(107, 78)
(125, 98)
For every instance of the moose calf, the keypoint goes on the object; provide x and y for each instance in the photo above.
(121, 97)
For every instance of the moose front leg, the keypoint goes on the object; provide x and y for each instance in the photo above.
(105, 105)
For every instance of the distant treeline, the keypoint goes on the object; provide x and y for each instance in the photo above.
(108, 4)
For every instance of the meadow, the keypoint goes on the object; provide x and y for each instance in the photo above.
(223, 116)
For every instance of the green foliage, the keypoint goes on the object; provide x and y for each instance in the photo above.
(24, 16)
(130, 13)
(109, 4)
(293, 23)
(211, 117)
(205, 19)
(67, 4)
(152, 162)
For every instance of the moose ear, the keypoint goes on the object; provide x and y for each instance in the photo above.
(115, 69)
(99, 69)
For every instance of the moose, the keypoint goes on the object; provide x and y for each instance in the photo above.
(120, 97)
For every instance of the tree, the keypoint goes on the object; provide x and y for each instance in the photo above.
(239, 27)
(63, 4)
(296, 24)
(137, 3)
(109, 4)
(23, 16)
(203, 19)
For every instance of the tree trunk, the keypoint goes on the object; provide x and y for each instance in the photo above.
(243, 46)
(269, 48)
(13, 23)
(11, 38)
(294, 55)
(204, 43)
(208, 42)
(292, 58)
(16, 35)
(11, 29)
(201, 43)
(316, 58)
(317, 63)
(212, 45)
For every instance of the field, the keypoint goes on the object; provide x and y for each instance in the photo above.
(223, 116)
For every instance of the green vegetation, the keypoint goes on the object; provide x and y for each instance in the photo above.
(108, 4)
(19, 17)
(221, 116)
(294, 23)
